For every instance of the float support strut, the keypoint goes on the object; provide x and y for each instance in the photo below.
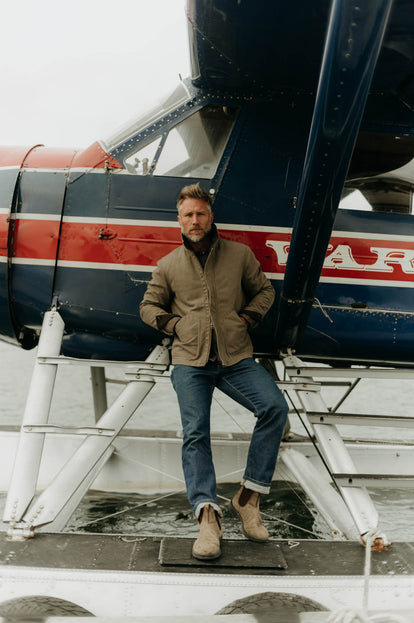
(29, 452)
(100, 401)
(57, 502)
(338, 459)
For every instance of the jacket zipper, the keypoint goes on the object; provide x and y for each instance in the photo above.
(212, 326)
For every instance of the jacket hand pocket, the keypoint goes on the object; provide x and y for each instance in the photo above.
(237, 335)
(186, 330)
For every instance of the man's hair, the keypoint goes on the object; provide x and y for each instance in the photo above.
(193, 191)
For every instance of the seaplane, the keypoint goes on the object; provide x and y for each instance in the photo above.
(298, 119)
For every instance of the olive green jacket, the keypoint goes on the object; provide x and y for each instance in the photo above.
(231, 285)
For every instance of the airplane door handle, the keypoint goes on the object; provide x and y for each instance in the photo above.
(106, 234)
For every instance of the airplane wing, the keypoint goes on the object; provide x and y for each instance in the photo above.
(256, 46)
(262, 47)
(341, 51)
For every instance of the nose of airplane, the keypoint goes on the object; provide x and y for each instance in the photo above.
(17, 217)
(33, 182)
(11, 160)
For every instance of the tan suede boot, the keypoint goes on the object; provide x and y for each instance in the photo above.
(246, 504)
(207, 546)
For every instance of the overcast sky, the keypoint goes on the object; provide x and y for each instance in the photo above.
(73, 71)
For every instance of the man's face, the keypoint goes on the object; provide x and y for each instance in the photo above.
(195, 219)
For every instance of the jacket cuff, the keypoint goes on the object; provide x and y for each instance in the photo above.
(252, 318)
(167, 322)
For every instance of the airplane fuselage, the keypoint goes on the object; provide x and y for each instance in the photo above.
(85, 230)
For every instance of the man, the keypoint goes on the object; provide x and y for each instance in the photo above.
(207, 294)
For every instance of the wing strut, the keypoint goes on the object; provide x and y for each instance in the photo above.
(353, 41)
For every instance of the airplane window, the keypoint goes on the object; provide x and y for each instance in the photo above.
(171, 102)
(195, 146)
(379, 194)
(192, 149)
(142, 161)
(354, 200)
(381, 175)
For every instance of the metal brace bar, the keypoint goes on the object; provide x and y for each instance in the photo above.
(69, 430)
(375, 480)
(364, 373)
(360, 419)
(295, 385)
(98, 363)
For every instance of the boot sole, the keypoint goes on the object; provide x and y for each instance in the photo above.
(246, 534)
(206, 556)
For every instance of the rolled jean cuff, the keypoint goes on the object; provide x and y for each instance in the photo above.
(203, 504)
(253, 486)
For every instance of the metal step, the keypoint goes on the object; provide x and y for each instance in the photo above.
(359, 419)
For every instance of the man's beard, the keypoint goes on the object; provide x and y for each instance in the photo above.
(198, 235)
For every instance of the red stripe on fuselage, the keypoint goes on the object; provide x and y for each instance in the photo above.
(35, 239)
(388, 259)
(143, 245)
(4, 230)
(116, 244)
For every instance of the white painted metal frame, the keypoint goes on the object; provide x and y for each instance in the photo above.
(58, 501)
(351, 484)
(348, 509)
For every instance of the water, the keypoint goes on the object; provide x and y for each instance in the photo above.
(173, 516)
(287, 512)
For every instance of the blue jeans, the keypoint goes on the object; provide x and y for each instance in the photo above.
(251, 386)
